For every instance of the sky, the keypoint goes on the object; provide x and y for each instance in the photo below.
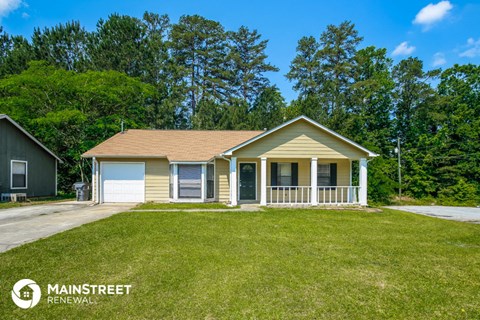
(441, 33)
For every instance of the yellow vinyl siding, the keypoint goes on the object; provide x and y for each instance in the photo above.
(300, 140)
(222, 180)
(157, 180)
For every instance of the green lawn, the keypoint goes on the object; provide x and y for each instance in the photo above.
(277, 264)
(182, 206)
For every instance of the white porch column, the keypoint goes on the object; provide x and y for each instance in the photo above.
(363, 182)
(350, 189)
(233, 181)
(175, 181)
(263, 182)
(313, 182)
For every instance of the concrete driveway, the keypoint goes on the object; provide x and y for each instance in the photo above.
(30, 223)
(464, 214)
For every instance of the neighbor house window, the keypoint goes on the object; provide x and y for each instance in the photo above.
(284, 174)
(19, 174)
(327, 174)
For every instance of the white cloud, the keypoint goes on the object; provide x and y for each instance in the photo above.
(7, 6)
(473, 49)
(25, 15)
(403, 49)
(439, 59)
(432, 13)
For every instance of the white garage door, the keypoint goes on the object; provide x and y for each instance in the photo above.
(123, 182)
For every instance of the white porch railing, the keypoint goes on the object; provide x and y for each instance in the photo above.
(289, 195)
(338, 195)
(326, 195)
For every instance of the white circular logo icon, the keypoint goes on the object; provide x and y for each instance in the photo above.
(26, 293)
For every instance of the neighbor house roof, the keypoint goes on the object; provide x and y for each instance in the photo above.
(19, 127)
(176, 145)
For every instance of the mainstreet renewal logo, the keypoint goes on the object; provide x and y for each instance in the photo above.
(26, 293)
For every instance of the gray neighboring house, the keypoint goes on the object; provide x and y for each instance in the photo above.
(26, 165)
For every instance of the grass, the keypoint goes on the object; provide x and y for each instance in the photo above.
(182, 206)
(35, 201)
(277, 264)
(409, 201)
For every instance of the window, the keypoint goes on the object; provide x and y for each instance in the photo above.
(284, 174)
(323, 175)
(19, 174)
(327, 174)
(189, 181)
(210, 181)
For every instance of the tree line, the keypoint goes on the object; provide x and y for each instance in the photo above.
(73, 88)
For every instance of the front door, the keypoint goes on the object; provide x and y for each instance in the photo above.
(247, 180)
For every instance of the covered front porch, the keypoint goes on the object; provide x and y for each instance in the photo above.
(298, 181)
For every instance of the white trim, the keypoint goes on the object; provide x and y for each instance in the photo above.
(123, 156)
(350, 195)
(102, 163)
(11, 175)
(175, 182)
(263, 181)
(370, 153)
(233, 181)
(189, 162)
(363, 181)
(215, 180)
(238, 180)
(203, 181)
(4, 116)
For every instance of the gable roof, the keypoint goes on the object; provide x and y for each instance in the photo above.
(4, 116)
(314, 123)
(176, 145)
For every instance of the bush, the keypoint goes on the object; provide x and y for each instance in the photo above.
(462, 193)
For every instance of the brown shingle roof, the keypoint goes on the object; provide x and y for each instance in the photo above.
(176, 145)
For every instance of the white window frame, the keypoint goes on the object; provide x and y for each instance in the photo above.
(11, 175)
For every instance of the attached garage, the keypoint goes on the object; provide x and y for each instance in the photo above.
(123, 181)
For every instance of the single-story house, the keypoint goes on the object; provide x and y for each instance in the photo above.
(26, 165)
(298, 162)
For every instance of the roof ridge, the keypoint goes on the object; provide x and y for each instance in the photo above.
(196, 130)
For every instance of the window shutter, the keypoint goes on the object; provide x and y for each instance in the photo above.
(294, 174)
(273, 173)
(333, 174)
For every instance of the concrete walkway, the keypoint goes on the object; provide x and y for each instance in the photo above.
(463, 214)
(30, 223)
